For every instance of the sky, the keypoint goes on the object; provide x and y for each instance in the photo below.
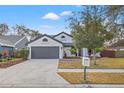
(47, 19)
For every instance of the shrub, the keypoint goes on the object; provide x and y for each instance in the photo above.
(23, 53)
(98, 49)
(9, 59)
(17, 55)
(73, 50)
(14, 53)
(5, 53)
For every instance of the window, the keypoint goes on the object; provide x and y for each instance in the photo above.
(62, 36)
(44, 40)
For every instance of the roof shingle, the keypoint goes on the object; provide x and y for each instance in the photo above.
(10, 39)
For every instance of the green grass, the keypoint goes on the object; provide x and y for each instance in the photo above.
(93, 77)
(108, 63)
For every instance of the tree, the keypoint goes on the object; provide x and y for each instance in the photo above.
(34, 34)
(115, 12)
(116, 17)
(20, 30)
(3, 29)
(89, 28)
(23, 30)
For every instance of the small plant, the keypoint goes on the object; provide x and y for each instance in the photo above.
(99, 49)
(15, 53)
(5, 53)
(24, 53)
(9, 59)
(73, 50)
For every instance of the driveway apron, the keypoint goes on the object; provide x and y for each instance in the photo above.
(32, 73)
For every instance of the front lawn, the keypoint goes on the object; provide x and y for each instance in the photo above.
(70, 65)
(101, 63)
(93, 78)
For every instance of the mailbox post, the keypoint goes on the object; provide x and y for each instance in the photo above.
(85, 74)
(85, 63)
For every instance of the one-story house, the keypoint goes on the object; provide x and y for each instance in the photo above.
(11, 42)
(52, 46)
(114, 50)
(119, 45)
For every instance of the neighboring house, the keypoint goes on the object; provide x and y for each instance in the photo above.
(11, 42)
(119, 45)
(114, 50)
(51, 47)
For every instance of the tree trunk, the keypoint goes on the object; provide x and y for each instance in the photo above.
(94, 57)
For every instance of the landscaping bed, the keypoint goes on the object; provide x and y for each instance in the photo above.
(8, 63)
(108, 63)
(93, 78)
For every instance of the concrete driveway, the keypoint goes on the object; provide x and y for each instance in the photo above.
(32, 73)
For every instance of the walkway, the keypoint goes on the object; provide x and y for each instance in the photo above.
(93, 70)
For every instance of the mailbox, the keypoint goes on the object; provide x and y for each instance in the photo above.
(85, 61)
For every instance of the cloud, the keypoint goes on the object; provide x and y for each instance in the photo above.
(65, 13)
(51, 16)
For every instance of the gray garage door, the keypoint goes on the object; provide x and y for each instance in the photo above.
(45, 52)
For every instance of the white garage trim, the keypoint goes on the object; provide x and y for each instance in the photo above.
(50, 43)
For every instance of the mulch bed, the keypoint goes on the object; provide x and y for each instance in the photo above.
(10, 63)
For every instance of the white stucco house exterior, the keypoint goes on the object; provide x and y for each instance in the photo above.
(67, 41)
(51, 47)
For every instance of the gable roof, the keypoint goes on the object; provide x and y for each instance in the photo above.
(46, 36)
(62, 33)
(10, 40)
